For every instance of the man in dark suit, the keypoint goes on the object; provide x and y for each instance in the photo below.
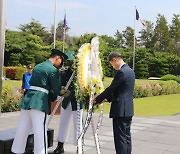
(120, 93)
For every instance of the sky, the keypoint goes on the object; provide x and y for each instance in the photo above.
(103, 17)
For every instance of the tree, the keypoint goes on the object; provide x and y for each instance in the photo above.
(71, 42)
(175, 33)
(23, 43)
(59, 45)
(161, 38)
(104, 52)
(86, 38)
(60, 31)
(110, 41)
(173, 63)
(119, 39)
(14, 59)
(158, 65)
(146, 35)
(15, 42)
(35, 28)
(141, 66)
(28, 59)
(128, 35)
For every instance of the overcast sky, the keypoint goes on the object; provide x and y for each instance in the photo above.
(91, 16)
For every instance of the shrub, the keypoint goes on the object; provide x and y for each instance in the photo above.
(140, 92)
(170, 77)
(155, 89)
(19, 72)
(14, 73)
(170, 87)
(10, 73)
(10, 100)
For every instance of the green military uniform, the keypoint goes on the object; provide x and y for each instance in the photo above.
(65, 75)
(46, 76)
(44, 86)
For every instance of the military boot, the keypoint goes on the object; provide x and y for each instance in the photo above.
(59, 149)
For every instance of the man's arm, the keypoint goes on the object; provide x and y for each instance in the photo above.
(107, 93)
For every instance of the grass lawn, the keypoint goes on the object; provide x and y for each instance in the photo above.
(151, 106)
(12, 83)
(157, 105)
(107, 81)
(154, 106)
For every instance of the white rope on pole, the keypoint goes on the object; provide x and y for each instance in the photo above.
(2, 43)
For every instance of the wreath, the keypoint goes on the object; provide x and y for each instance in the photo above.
(89, 71)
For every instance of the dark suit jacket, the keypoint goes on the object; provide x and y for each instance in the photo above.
(120, 93)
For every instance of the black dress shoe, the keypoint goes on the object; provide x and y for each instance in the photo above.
(59, 149)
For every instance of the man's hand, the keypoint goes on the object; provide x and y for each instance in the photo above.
(95, 103)
(64, 92)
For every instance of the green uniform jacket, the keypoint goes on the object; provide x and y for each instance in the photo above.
(44, 75)
(65, 75)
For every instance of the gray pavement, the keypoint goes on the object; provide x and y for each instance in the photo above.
(150, 135)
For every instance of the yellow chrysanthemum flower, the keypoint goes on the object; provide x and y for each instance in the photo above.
(89, 67)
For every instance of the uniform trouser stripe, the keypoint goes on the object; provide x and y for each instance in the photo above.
(45, 132)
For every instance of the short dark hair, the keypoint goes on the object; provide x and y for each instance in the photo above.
(114, 55)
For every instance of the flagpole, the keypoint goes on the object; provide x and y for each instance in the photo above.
(55, 8)
(64, 37)
(64, 28)
(2, 43)
(134, 46)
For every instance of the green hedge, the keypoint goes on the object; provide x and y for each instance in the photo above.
(170, 77)
(155, 89)
(14, 73)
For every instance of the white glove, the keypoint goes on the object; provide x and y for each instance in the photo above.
(59, 97)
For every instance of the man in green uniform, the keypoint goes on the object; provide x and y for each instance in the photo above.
(68, 110)
(44, 87)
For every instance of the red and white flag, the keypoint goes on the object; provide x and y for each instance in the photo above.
(139, 19)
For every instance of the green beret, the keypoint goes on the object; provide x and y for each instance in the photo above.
(59, 53)
(70, 55)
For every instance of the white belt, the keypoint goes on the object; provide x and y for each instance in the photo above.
(39, 89)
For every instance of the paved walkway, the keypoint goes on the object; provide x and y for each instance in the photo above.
(152, 135)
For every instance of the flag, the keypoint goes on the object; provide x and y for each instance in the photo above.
(137, 15)
(65, 23)
(138, 18)
(142, 22)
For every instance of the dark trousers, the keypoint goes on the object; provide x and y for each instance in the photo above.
(122, 135)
